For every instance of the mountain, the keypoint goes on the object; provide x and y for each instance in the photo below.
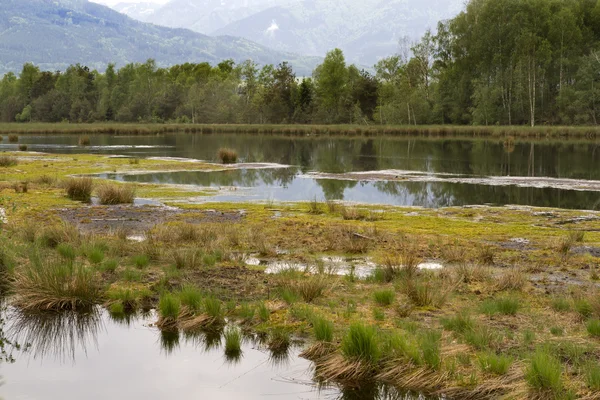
(139, 11)
(206, 16)
(366, 30)
(56, 34)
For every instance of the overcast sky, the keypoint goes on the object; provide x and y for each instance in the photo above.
(113, 2)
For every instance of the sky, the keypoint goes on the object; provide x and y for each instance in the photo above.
(113, 2)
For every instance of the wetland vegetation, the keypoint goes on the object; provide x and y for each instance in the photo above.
(466, 302)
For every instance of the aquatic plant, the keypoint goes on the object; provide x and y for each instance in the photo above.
(384, 297)
(213, 308)
(191, 297)
(111, 194)
(169, 306)
(129, 297)
(13, 138)
(79, 189)
(323, 329)
(227, 156)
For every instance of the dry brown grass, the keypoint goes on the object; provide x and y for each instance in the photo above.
(227, 156)
(513, 279)
(8, 161)
(79, 189)
(110, 194)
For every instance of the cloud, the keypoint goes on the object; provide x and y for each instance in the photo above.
(272, 29)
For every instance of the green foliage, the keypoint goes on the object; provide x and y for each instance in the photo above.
(141, 261)
(263, 312)
(233, 341)
(213, 308)
(191, 297)
(544, 371)
(361, 344)
(506, 306)
(592, 375)
(66, 251)
(560, 304)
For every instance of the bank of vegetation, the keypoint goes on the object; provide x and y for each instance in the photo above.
(500, 62)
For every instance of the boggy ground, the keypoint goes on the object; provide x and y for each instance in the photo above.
(514, 313)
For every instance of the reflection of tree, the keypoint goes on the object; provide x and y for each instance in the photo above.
(55, 334)
(334, 189)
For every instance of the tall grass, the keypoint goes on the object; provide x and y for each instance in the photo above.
(169, 306)
(111, 194)
(79, 189)
(493, 363)
(213, 308)
(361, 344)
(191, 297)
(593, 327)
(233, 342)
(384, 297)
(50, 285)
(592, 375)
(323, 329)
(431, 349)
(12, 138)
(312, 288)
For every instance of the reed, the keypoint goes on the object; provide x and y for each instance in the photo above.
(227, 156)
(79, 189)
(110, 194)
(361, 344)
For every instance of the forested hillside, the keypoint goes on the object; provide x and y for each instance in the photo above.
(507, 62)
(56, 34)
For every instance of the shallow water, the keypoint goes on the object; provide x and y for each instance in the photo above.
(93, 356)
(453, 172)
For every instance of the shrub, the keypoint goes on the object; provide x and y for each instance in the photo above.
(79, 189)
(22, 147)
(593, 327)
(55, 286)
(116, 194)
(8, 161)
(227, 156)
(84, 141)
(544, 371)
(323, 329)
(494, 364)
(361, 344)
(384, 297)
(13, 138)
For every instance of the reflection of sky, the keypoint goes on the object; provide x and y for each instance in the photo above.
(129, 364)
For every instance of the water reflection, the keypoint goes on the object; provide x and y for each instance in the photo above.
(56, 335)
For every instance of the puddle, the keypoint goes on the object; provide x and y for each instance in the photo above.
(331, 265)
(94, 356)
(137, 238)
(3, 218)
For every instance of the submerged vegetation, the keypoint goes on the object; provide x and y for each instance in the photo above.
(493, 320)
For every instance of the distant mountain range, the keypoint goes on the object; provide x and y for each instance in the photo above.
(56, 34)
(366, 30)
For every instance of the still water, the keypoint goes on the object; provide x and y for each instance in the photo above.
(93, 356)
(449, 172)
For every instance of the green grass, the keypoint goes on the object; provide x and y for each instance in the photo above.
(66, 251)
(460, 323)
(593, 328)
(361, 344)
(263, 312)
(141, 261)
(431, 349)
(504, 306)
(117, 309)
(246, 311)
(384, 297)
(95, 255)
(583, 308)
(129, 298)
(191, 297)
(233, 342)
(544, 371)
(494, 364)
(557, 331)
(289, 295)
(592, 375)
(109, 265)
(169, 306)
(560, 304)
(482, 337)
(131, 275)
(312, 288)
(323, 329)
(213, 308)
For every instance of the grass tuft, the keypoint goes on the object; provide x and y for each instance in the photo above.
(384, 297)
(227, 156)
(593, 327)
(141, 261)
(493, 363)
(13, 138)
(191, 297)
(8, 161)
(544, 372)
(79, 189)
(323, 329)
(361, 344)
(169, 306)
(110, 194)
(233, 342)
(84, 141)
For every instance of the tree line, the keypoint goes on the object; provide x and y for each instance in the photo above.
(499, 62)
